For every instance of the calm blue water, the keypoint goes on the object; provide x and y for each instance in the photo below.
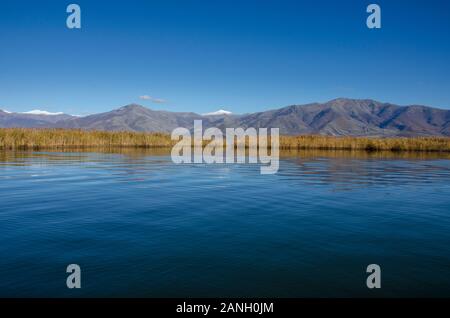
(139, 225)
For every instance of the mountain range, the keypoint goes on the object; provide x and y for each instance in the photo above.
(338, 117)
(32, 119)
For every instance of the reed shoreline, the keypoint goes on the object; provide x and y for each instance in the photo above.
(32, 138)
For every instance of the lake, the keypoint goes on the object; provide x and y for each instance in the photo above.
(139, 225)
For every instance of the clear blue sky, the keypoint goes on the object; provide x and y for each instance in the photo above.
(239, 55)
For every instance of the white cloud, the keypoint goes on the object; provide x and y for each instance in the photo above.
(152, 99)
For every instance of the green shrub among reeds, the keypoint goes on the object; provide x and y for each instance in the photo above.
(26, 138)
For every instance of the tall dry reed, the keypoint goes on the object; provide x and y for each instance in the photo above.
(27, 138)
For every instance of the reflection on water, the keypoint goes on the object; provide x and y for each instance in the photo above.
(344, 169)
(140, 225)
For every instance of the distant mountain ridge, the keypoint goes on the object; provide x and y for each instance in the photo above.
(133, 117)
(32, 119)
(350, 117)
(338, 117)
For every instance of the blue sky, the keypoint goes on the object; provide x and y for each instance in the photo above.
(203, 55)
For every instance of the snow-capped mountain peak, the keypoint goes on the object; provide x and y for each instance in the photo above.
(219, 112)
(42, 112)
(5, 111)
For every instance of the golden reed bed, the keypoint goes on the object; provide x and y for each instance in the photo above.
(25, 138)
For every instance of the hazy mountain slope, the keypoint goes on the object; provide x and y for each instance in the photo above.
(338, 117)
(30, 120)
(134, 118)
(342, 117)
(418, 120)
